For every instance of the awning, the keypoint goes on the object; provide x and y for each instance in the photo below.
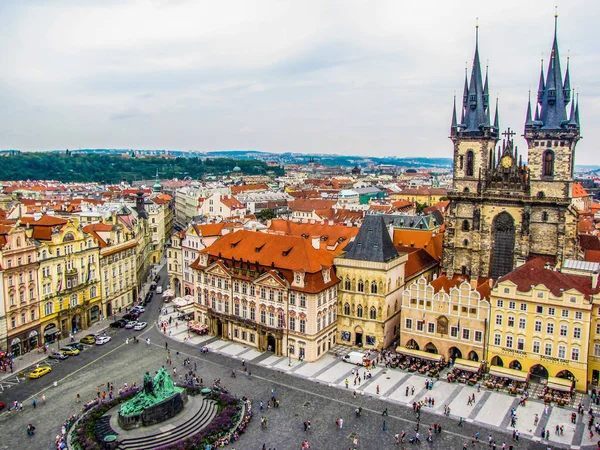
(195, 325)
(51, 329)
(560, 384)
(187, 309)
(512, 374)
(32, 334)
(15, 341)
(419, 354)
(467, 364)
(168, 293)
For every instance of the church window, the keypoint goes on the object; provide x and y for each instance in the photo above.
(466, 190)
(373, 288)
(470, 164)
(373, 313)
(462, 162)
(548, 164)
(347, 284)
(361, 286)
(359, 311)
(465, 225)
(544, 216)
(347, 309)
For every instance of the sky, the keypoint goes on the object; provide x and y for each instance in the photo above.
(371, 78)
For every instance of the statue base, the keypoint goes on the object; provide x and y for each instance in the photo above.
(157, 413)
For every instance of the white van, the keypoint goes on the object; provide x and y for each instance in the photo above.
(357, 358)
(159, 289)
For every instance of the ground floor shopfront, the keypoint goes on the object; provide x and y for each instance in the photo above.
(449, 348)
(70, 320)
(24, 340)
(540, 367)
(369, 334)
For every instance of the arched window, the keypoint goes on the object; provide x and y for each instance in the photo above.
(466, 225)
(373, 313)
(18, 242)
(347, 309)
(541, 194)
(373, 288)
(466, 242)
(359, 311)
(68, 237)
(548, 164)
(470, 164)
(347, 284)
(361, 286)
(545, 216)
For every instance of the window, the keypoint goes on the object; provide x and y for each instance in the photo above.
(252, 313)
(292, 323)
(23, 318)
(564, 313)
(431, 327)
(279, 296)
(347, 284)
(470, 164)
(540, 294)
(507, 290)
(551, 311)
(48, 308)
(465, 225)
(466, 334)
(359, 311)
(263, 292)
(373, 288)
(498, 319)
(500, 303)
(512, 305)
(271, 319)
(302, 326)
(548, 349)
(562, 351)
(596, 349)
(292, 298)
(511, 321)
(263, 317)
(520, 344)
(478, 336)
(454, 332)
(575, 354)
(578, 315)
(420, 324)
(361, 286)
(373, 313)
(577, 333)
(347, 309)
(509, 341)
(548, 164)
(539, 309)
(408, 324)
(538, 326)
(302, 301)
(252, 290)
(550, 328)
(536, 347)
(497, 339)
(522, 323)
(563, 330)
(523, 306)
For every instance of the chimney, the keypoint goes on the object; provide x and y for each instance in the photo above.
(316, 242)
(594, 279)
(473, 282)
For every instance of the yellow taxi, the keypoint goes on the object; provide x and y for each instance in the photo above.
(69, 351)
(39, 372)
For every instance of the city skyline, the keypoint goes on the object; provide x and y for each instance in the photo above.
(334, 77)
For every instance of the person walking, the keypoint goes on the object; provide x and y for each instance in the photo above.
(34, 403)
(383, 428)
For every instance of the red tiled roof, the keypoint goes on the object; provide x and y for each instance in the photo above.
(589, 242)
(249, 188)
(418, 261)
(579, 191)
(534, 273)
(310, 205)
(443, 282)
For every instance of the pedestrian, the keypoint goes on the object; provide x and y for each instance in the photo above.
(383, 426)
(346, 383)
(78, 398)
(385, 412)
(377, 389)
(43, 398)
(460, 422)
(34, 403)
(127, 341)
(406, 391)
(412, 391)
(341, 423)
(536, 419)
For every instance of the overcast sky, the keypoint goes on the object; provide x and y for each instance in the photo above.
(351, 77)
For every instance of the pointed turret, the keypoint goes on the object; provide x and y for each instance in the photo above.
(567, 85)
(541, 85)
(496, 121)
(528, 120)
(537, 113)
(572, 121)
(453, 126)
(486, 91)
(577, 112)
(466, 89)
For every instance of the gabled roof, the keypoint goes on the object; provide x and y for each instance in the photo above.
(373, 242)
(45, 221)
(310, 205)
(445, 283)
(579, 191)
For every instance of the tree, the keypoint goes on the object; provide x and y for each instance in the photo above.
(266, 214)
(420, 207)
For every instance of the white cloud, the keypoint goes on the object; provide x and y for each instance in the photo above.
(331, 76)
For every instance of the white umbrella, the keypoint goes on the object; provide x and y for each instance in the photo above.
(179, 302)
(189, 299)
(168, 293)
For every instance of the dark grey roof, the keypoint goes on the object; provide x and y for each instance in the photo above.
(373, 242)
(414, 222)
(367, 190)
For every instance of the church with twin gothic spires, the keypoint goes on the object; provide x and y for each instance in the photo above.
(504, 212)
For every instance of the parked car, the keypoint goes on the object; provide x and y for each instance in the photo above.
(2, 405)
(69, 351)
(140, 326)
(118, 324)
(39, 371)
(131, 324)
(90, 340)
(131, 316)
(102, 340)
(139, 309)
(159, 290)
(76, 345)
(157, 278)
(58, 355)
(153, 286)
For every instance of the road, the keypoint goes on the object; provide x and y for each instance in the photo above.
(301, 400)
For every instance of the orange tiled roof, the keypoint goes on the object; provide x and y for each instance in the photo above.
(231, 202)
(249, 188)
(443, 282)
(418, 261)
(309, 205)
(579, 191)
(332, 237)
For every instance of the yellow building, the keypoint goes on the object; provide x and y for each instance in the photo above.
(175, 262)
(117, 264)
(371, 273)
(157, 217)
(68, 275)
(427, 196)
(540, 320)
(448, 317)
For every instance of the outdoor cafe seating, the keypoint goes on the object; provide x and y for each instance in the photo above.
(557, 390)
(197, 327)
(465, 371)
(514, 381)
(419, 361)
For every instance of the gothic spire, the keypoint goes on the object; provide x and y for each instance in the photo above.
(572, 120)
(486, 91)
(577, 111)
(466, 90)
(541, 85)
(528, 120)
(496, 122)
(567, 84)
(453, 126)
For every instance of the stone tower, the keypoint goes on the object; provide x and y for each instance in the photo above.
(502, 212)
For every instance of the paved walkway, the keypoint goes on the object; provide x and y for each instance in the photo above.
(490, 409)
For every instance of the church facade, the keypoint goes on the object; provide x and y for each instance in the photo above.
(502, 211)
